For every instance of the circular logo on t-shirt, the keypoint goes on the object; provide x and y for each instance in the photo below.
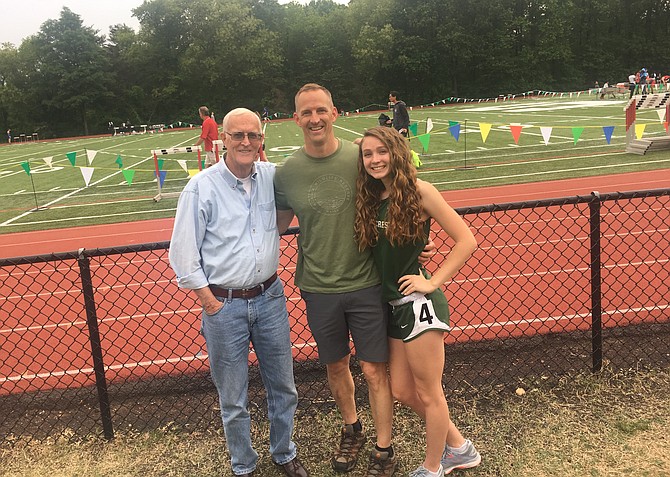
(329, 194)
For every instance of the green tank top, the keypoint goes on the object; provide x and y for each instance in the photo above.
(394, 262)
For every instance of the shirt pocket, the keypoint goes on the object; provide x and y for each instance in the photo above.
(268, 214)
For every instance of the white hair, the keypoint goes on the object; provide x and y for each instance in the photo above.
(239, 112)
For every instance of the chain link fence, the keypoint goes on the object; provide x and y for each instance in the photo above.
(100, 340)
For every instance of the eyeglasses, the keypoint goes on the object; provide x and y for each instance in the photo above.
(239, 136)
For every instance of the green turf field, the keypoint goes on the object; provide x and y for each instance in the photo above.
(577, 147)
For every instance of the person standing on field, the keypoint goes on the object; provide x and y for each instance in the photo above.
(225, 247)
(394, 210)
(400, 121)
(210, 132)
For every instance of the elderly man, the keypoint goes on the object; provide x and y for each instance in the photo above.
(225, 247)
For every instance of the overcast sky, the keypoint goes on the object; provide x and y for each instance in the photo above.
(22, 18)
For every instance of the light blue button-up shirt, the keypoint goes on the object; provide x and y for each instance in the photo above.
(221, 236)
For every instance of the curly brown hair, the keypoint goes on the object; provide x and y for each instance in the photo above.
(405, 224)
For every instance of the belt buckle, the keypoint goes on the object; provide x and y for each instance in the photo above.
(247, 293)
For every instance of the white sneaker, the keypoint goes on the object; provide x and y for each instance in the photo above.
(464, 460)
(421, 471)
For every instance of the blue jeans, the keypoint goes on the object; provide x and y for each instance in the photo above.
(263, 321)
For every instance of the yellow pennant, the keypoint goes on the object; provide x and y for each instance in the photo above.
(484, 129)
(639, 130)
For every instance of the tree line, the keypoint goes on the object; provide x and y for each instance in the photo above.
(69, 79)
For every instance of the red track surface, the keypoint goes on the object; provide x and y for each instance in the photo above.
(63, 329)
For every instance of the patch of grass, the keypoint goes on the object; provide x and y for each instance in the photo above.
(588, 425)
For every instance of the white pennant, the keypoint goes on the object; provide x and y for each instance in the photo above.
(429, 125)
(86, 173)
(90, 155)
(182, 163)
(661, 114)
(546, 134)
(48, 161)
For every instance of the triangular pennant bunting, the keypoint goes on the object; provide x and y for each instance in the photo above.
(72, 157)
(90, 155)
(608, 130)
(119, 161)
(484, 129)
(455, 130)
(639, 130)
(128, 174)
(661, 114)
(424, 139)
(86, 173)
(546, 134)
(192, 172)
(516, 132)
(26, 167)
(182, 164)
(576, 133)
(429, 125)
(160, 164)
(163, 174)
(414, 129)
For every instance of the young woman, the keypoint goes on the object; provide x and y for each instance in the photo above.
(393, 215)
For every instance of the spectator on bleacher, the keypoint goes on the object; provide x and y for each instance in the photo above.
(225, 247)
(210, 132)
(394, 211)
(400, 121)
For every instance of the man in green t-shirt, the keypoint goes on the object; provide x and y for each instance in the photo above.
(339, 284)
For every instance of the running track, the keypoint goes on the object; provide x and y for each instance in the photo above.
(40, 372)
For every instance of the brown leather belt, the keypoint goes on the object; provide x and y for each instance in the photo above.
(245, 293)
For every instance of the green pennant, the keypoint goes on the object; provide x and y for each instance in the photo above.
(26, 167)
(414, 128)
(202, 164)
(576, 132)
(160, 164)
(72, 157)
(128, 174)
(119, 161)
(424, 139)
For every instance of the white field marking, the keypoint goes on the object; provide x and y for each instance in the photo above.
(581, 316)
(541, 106)
(357, 133)
(140, 212)
(534, 174)
(59, 199)
(19, 192)
(202, 356)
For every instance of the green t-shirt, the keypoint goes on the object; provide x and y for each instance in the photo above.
(322, 193)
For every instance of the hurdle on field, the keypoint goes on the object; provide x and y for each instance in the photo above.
(646, 101)
(164, 152)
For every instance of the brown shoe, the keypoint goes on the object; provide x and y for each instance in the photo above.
(381, 465)
(293, 468)
(346, 455)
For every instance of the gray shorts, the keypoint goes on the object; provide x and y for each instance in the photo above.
(333, 316)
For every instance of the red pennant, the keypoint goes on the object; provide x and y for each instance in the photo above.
(516, 132)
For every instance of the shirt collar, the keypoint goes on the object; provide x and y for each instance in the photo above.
(230, 178)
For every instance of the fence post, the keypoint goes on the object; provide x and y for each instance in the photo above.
(596, 297)
(96, 347)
